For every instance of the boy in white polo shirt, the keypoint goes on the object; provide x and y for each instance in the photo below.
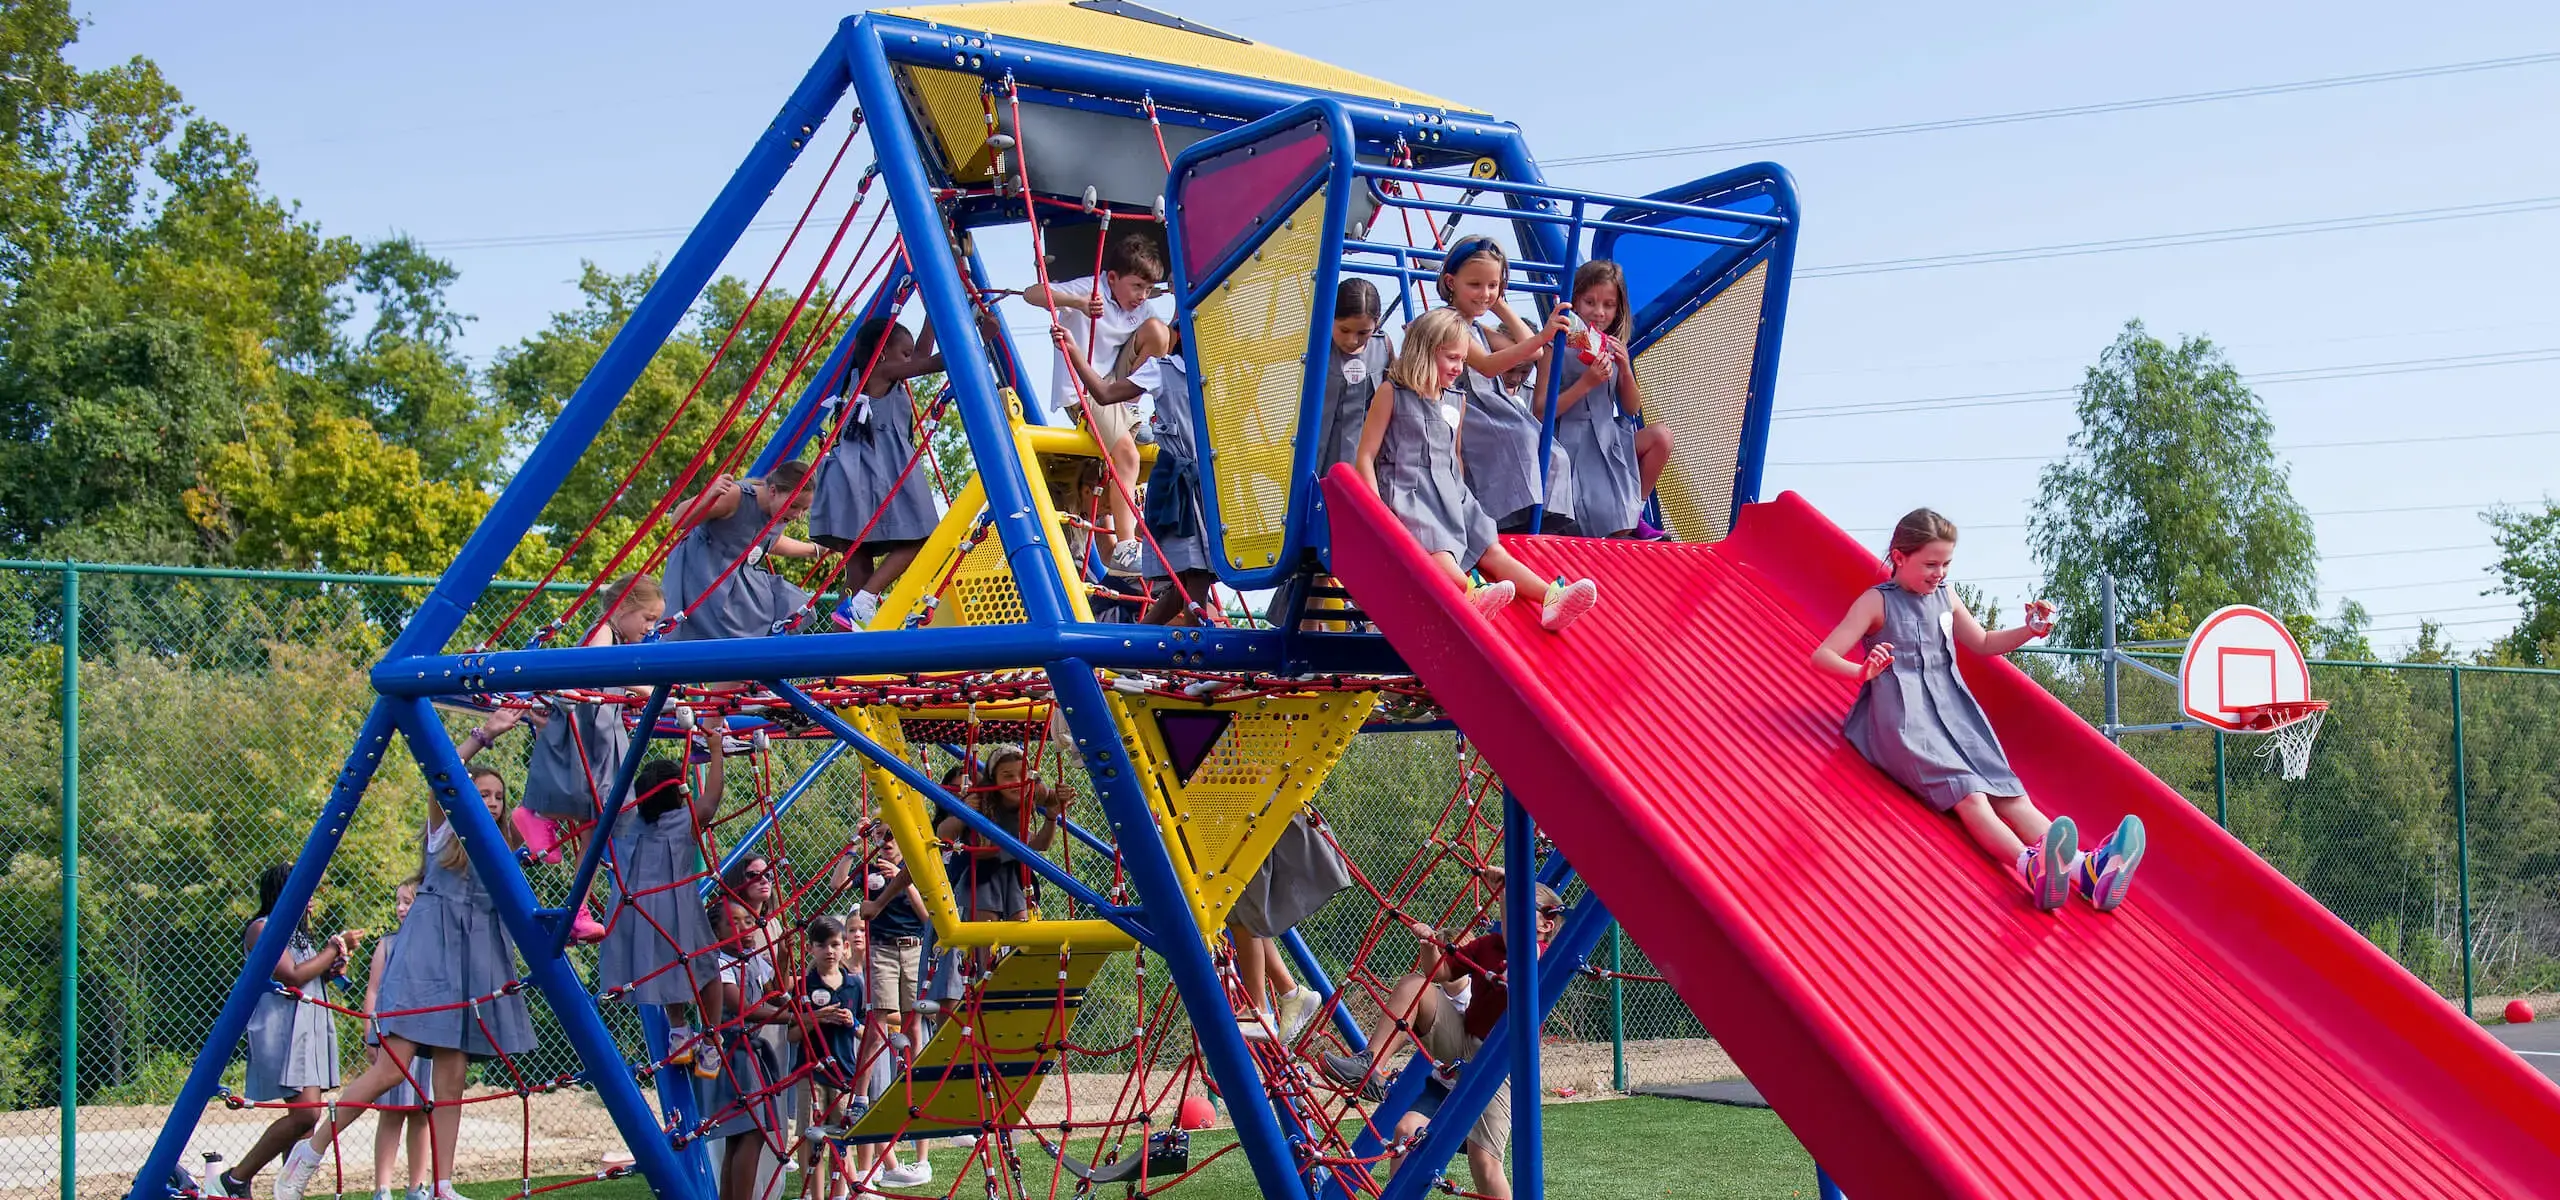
(1101, 322)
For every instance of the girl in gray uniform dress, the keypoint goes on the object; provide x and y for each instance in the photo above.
(1918, 723)
(655, 948)
(446, 990)
(727, 525)
(293, 1046)
(867, 472)
(1409, 452)
(1501, 435)
(1177, 565)
(401, 1120)
(1355, 369)
(1597, 407)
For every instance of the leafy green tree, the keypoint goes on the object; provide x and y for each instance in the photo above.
(2529, 570)
(2171, 486)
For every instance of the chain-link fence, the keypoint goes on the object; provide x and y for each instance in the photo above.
(213, 709)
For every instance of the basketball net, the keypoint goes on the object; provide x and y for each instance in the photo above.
(2290, 726)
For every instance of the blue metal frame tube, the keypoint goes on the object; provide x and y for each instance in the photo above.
(1311, 974)
(1584, 922)
(625, 357)
(1764, 352)
(1535, 186)
(1120, 783)
(675, 1095)
(937, 272)
(599, 838)
(232, 1022)
(550, 972)
(978, 822)
(1526, 1015)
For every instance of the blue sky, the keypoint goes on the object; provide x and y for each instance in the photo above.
(465, 122)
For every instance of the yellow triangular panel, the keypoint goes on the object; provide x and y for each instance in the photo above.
(987, 1060)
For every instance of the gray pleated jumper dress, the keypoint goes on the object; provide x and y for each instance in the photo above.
(855, 479)
(1601, 441)
(1501, 445)
(1421, 481)
(648, 856)
(453, 949)
(1349, 382)
(574, 759)
(1303, 872)
(404, 1094)
(1169, 381)
(751, 600)
(292, 1045)
(1917, 722)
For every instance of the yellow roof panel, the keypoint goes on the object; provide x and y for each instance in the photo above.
(1061, 23)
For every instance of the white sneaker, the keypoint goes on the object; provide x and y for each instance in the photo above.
(1297, 1010)
(421, 1192)
(1492, 598)
(444, 1191)
(862, 607)
(914, 1173)
(1126, 556)
(1259, 1025)
(1566, 602)
(300, 1164)
(706, 1061)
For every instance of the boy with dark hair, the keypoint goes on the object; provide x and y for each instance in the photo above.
(1099, 319)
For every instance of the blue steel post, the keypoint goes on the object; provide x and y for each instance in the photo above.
(1119, 783)
(546, 967)
(624, 358)
(1764, 351)
(675, 1095)
(152, 1182)
(973, 386)
(1824, 1187)
(1584, 922)
(1525, 1016)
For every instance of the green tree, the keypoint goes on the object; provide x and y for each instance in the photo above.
(2171, 486)
(2529, 570)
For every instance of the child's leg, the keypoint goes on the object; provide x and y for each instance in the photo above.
(444, 1118)
(2021, 816)
(1250, 966)
(1276, 965)
(1486, 1167)
(894, 561)
(290, 1126)
(388, 1126)
(381, 1077)
(420, 1150)
(1122, 489)
(1990, 830)
(1653, 449)
(1497, 563)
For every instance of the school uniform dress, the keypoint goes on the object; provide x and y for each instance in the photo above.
(1349, 382)
(1917, 722)
(752, 599)
(1420, 479)
(453, 949)
(575, 757)
(663, 921)
(855, 478)
(1176, 518)
(414, 1085)
(1601, 441)
(1303, 872)
(1501, 444)
(292, 1045)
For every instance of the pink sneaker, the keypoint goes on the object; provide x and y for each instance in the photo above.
(1492, 598)
(540, 834)
(1566, 602)
(585, 929)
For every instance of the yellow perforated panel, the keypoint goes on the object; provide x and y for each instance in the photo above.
(1061, 24)
(1273, 756)
(1004, 1048)
(958, 118)
(1697, 384)
(1251, 339)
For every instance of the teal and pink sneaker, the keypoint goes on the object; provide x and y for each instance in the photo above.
(2107, 873)
(2048, 866)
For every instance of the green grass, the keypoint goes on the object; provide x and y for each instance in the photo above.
(1612, 1148)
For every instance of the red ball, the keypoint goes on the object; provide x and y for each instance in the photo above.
(1196, 1113)
(2519, 1012)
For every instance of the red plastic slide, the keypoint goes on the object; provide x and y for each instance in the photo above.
(1921, 1028)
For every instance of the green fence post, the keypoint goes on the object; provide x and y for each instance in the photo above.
(1617, 1009)
(2221, 782)
(70, 881)
(2462, 837)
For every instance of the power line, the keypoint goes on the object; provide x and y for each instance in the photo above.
(2199, 237)
(2065, 111)
(2330, 512)
(2404, 366)
(2506, 435)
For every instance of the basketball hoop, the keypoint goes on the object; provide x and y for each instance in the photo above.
(2290, 726)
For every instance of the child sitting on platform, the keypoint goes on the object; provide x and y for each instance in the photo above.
(1917, 722)
(1100, 317)
(1410, 452)
(1597, 407)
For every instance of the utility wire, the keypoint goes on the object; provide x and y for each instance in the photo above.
(2066, 111)
(2506, 435)
(2404, 366)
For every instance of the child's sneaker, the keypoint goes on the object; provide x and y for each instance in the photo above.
(540, 834)
(1126, 556)
(1566, 602)
(2106, 873)
(585, 929)
(854, 615)
(2048, 866)
(1647, 531)
(914, 1173)
(1297, 1010)
(420, 1192)
(706, 1060)
(300, 1164)
(1492, 598)
(1259, 1025)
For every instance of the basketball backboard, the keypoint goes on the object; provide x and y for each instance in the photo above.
(2240, 657)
